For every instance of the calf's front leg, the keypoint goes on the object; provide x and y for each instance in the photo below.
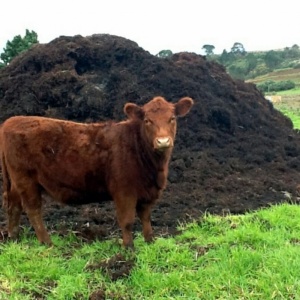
(144, 213)
(125, 207)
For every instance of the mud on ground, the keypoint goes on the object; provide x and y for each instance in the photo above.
(234, 152)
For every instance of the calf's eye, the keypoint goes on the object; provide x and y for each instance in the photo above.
(172, 119)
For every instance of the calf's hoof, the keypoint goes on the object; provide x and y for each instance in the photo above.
(129, 246)
(149, 239)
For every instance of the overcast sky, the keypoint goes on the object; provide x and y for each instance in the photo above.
(159, 24)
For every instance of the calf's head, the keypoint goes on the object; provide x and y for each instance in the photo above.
(158, 120)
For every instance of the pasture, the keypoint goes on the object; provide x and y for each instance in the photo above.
(251, 256)
(290, 106)
(280, 75)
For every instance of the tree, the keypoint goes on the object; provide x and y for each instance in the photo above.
(238, 48)
(272, 59)
(292, 52)
(226, 57)
(209, 49)
(18, 45)
(164, 53)
(223, 59)
(251, 61)
(238, 69)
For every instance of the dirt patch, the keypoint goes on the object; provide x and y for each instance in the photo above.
(234, 152)
(102, 295)
(115, 267)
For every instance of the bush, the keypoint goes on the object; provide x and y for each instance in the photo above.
(276, 86)
(297, 65)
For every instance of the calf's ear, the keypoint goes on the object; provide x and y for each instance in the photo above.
(133, 111)
(183, 106)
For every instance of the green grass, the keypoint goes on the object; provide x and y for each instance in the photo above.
(292, 92)
(251, 256)
(291, 110)
(290, 105)
(293, 114)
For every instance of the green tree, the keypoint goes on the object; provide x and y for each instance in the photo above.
(164, 53)
(292, 52)
(223, 58)
(251, 61)
(18, 45)
(238, 69)
(238, 48)
(226, 58)
(209, 49)
(272, 59)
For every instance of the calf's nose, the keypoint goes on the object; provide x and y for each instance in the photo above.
(163, 142)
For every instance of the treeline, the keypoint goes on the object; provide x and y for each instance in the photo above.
(244, 65)
(239, 63)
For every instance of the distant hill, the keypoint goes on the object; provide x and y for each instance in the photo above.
(252, 66)
(279, 75)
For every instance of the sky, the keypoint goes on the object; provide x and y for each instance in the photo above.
(158, 25)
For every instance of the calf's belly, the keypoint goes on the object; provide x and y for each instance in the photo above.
(73, 197)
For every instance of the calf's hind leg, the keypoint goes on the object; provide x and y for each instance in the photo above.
(32, 204)
(13, 207)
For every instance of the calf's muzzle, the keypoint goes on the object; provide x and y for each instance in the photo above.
(163, 142)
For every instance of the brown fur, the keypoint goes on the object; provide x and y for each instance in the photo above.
(81, 163)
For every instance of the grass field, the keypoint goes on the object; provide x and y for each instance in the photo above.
(290, 106)
(280, 75)
(292, 114)
(252, 256)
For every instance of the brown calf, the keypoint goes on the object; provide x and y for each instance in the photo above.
(82, 163)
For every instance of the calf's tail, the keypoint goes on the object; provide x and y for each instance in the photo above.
(6, 183)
